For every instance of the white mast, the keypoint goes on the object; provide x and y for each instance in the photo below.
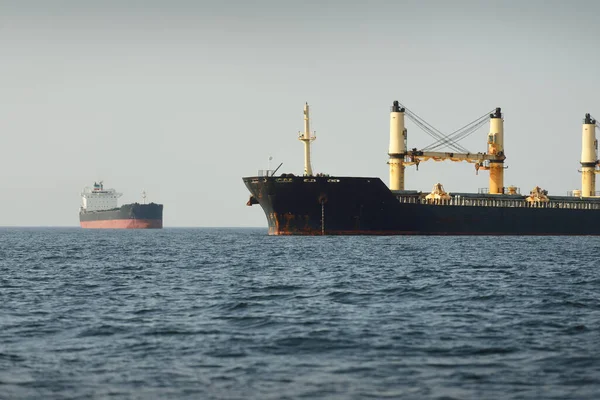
(307, 138)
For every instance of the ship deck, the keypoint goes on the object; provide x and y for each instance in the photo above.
(499, 200)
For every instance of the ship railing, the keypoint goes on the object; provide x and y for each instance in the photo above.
(519, 203)
(266, 172)
(505, 190)
(512, 190)
(577, 193)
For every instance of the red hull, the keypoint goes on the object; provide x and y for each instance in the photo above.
(123, 224)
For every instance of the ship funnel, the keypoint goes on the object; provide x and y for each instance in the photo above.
(496, 147)
(397, 149)
(589, 157)
(307, 138)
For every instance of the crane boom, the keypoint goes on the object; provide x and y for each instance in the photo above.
(412, 156)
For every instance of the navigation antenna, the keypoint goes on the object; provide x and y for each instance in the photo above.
(269, 170)
(144, 196)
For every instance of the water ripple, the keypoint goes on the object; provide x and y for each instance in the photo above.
(237, 314)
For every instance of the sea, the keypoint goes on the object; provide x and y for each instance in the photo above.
(232, 313)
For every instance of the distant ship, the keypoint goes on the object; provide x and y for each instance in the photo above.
(99, 209)
(319, 204)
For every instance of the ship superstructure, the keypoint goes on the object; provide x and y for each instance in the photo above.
(320, 204)
(97, 198)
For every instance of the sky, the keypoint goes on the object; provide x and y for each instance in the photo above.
(182, 99)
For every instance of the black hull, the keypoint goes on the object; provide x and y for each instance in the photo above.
(150, 211)
(365, 206)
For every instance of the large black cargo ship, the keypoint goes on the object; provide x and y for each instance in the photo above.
(296, 205)
(336, 205)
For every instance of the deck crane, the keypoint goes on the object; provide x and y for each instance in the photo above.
(401, 156)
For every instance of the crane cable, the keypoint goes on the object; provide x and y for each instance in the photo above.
(463, 132)
(432, 131)
(451, 139)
